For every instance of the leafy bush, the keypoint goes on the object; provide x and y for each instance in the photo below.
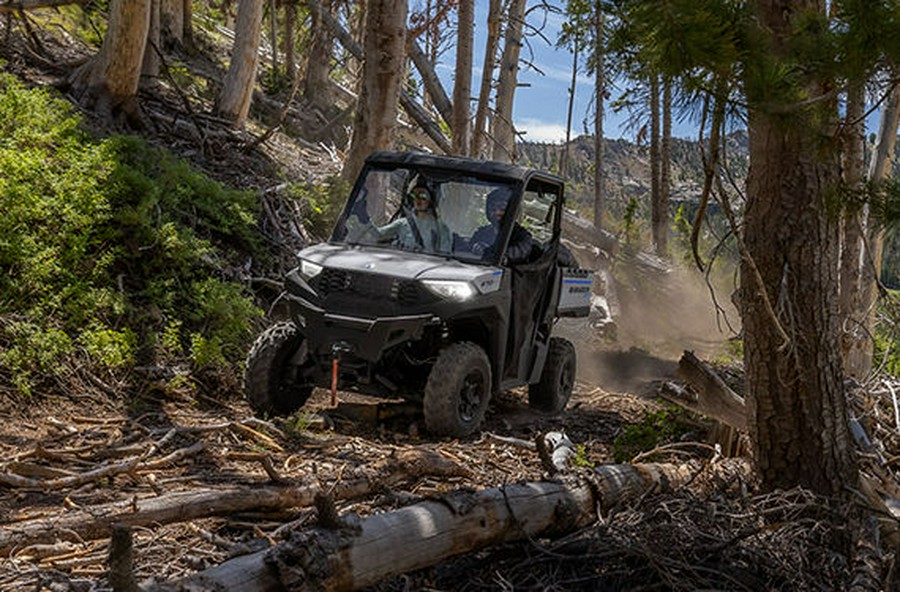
(320, 204)
(112, 251)
(660, 427)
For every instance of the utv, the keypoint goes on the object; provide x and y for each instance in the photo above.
(443, 323)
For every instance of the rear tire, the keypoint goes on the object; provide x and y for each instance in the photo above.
(551, 394)
(269, 385)
(457, 391)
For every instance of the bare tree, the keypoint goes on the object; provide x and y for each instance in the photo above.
(503, 131)
(233, 102)
(599, 98)
(109, 81)
(376, 111)
(462, 86)
(487, 77)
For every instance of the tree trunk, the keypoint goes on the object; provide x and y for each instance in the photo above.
(599, 99)
(273, 34)
(171, 23)
(360, 554)
(376, 111)
(564, 158)
(187, 33)
(462, 86)
(797, 408)
(109, 82)
(665, 167)
(504, 133)
(152, 62)
(853, 337)
(479, 135)
(657, 211)
(433, 87)
(290, 61)
(233, 102)
(413, 109)
(318, 64)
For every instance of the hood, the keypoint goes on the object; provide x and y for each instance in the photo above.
(400, 264)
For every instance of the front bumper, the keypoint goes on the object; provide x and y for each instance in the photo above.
(328, 333)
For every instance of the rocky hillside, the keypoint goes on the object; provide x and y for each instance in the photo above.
(628, 168)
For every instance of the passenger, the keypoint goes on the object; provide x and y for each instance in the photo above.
(522, 246)
(419, 230)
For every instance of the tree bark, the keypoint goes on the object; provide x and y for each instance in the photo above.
(479, 134)
(504, 133)
(714, 398)
(376, 111)
(658, 215)
(413, 109)
(665, 167)
(361, 553)
(233, 102)
(171, 23)
(599, 100)
(432, 83)
(109, 82)
(187, 34)
(797, 407)
(318, 63)
(853, 336)
(290, 60)
(152, 61)
(564, 158)
(462, 85)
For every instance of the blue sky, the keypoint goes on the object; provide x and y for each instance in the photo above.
(540, 108)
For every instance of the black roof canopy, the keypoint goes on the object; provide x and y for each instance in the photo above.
(487, 168)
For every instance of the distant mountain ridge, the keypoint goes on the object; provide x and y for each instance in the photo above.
(628, 169)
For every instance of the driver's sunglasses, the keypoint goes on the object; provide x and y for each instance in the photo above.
(420, 195)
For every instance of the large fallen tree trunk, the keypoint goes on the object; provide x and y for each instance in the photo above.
(97, 522)
(362, 552)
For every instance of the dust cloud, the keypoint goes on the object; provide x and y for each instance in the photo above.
(657, 314)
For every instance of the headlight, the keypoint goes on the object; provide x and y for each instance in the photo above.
(458, 291)
(309, 270)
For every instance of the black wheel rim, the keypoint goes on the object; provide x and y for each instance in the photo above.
(471, 393)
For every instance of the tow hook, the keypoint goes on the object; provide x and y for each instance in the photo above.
(337, 349)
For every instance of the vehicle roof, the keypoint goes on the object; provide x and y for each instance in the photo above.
(462, 164)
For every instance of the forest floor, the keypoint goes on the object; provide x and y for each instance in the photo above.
(68, 459)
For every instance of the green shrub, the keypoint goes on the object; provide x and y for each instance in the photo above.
(320, 203)
(113, 245)
(657, 428)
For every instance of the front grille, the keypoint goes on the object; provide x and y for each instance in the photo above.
(371, 289)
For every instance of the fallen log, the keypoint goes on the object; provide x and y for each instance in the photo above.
(713, 398)
(97, 522)
(362, 552)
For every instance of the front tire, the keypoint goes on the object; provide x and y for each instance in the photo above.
(269, 384)
(457, 391)
(551, 394)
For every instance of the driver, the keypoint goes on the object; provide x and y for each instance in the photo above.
(420, 229)
(522, 246)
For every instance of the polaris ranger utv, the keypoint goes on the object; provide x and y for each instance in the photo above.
(441, 314)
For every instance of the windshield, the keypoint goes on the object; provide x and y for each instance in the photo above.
(426, 211)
